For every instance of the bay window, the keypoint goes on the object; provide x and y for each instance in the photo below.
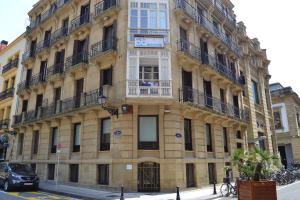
(148, 17)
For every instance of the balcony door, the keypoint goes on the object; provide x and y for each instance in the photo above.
(222, 97)
(84, 14)
(79, 50)
(59, 61)
(39, 103)
(207, 93)
(183, 39)
(57, 96)
(187, 86)
(47, 38)
(236, 105)
(108, 35)
(28, 77)
(43, 68)
(78, 92)
(32, 48)
(204, 51)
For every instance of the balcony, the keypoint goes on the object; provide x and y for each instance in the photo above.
(55, 72)
(106, 9)
(202, 21)
(23, 86)
(37, 80)
(139, 88)
(189, 50)
(77, 62)
(10, 65)
(61, 107)
(42, 45)
(4, 124)
(220, 9)
(7, 93)
(80, 23)
(105, 47)
(59, 35)
(199, 99)
(28, 56)
(59, 4)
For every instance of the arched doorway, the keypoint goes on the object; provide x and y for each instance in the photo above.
(148, 177)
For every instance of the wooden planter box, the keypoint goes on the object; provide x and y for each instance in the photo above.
(256, 190)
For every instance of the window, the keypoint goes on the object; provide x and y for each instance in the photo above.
(190, 182)
(209, 144)
(277, 120)
(24, 105)
(106, 77)
(54, 139)
(262, 144)
(148, 15)
(51, 171)
(105, 134)
(188, 134)
(211, 173)
(74, 172)
(148, 132)
(76, 137)
(225, 139)
(149, 75)
(255, 92)
(103, 171)
(239, 145)
(238, 134)
(35, 142)
(20, 144)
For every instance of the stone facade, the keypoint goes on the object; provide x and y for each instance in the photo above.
(177, 110)
(286, 108)
(10, 68)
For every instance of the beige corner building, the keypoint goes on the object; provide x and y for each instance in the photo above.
(149, 94)
(10, 69)
(286, 110)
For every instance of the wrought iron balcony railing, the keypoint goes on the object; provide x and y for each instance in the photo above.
(140, 88)
(54, 70)
(103, 46)
(200, 99)
(72, 61)
(225, 13)
(7, 93)
(209, 26)
(86, 99)
(190, 49)
(102, 6)
(23, 85)
(80, 21)
(10, 65)
(47, 14)
(59, 34)
(37, 79)
(44, 44)
(28, 54)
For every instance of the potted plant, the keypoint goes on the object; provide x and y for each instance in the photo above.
(254, 168)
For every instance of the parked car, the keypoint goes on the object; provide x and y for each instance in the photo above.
(17, 175)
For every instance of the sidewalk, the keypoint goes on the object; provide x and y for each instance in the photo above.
(94, 194)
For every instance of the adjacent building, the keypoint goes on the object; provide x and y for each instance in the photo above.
(286, 111)
(149, 94)
(10, 73)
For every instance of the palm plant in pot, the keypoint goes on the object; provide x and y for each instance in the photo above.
(254, 167)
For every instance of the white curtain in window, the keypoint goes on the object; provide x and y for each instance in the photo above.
(133, 68)
(147, 129)
(164, 69)
(77, 134)
(106, 126)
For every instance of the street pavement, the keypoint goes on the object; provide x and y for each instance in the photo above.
(30, 195)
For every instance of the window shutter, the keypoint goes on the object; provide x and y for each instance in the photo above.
(133, 68)
(101, 78)
(164, 69)
(62, 56)
(75, 47)
(109, 76)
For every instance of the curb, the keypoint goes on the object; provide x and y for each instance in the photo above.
(69, 194)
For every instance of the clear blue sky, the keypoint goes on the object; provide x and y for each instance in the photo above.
(14, 18)
(274, 23)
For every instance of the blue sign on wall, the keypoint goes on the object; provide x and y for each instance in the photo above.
(149, 42)
(178, 135)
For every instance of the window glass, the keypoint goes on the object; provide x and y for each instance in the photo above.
(144, 19)
(134, 19)
(77, 134)
(148, 128)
